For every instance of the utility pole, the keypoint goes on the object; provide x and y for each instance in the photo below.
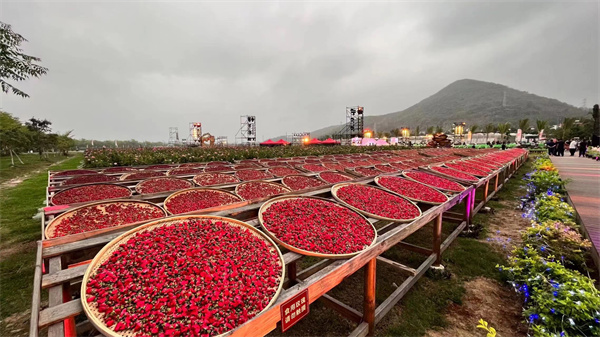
(596, 116)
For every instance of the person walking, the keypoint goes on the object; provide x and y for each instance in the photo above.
(551, 146)
(582, 147)
(503, 145)
(573, 147)
(565, 148)
(560, 148)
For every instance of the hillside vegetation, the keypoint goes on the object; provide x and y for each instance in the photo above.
(471, 101)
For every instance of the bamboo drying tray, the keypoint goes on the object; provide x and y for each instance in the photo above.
(139, 185)
(80, 186)
(376, 179)
(194, 190)
(404, 173)
(266, 205)
(107, 250)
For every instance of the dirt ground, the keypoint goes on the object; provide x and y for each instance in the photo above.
(488, 300)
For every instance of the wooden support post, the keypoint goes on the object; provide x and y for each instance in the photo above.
(55, 297)
(343, 309)
(486, 190)
(36, 294)
(496, 184)
(437, 239)
(415, 248)
(399, 266)
(292, 272)
(369, 302)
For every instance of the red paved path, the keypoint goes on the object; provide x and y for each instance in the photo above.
(584, 191)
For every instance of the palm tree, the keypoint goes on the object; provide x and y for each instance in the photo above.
(541, 125)
(567, 125)
(430, 130)
(439, 129)
(504, 129)
(417, 131)
(473, 129)
(489, 129)
(524, 124)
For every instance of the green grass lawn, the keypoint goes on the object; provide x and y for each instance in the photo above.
(19, 231)
(31, 163)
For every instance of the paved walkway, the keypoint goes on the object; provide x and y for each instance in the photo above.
(584, 192)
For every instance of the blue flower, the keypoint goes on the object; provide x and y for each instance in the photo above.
(552, 310)
(555, 293)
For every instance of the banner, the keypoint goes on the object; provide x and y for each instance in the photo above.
(519, 135)
(541, 135)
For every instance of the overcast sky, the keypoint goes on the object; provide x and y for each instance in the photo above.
(132, 70)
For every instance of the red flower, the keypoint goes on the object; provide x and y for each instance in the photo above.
(198, 199)
(199, 277)
(314, 167)
(157, 185)
(282, 171)
(378, 202)
(90, 178)
(334, 177)
(435, 181)
(142, 175)
(300, 182)
(104, 215)
(259, 189)
(209, 179)
(89, 193)
(454, 173)
(411, 189)
(367, 171)
(319, 226)
(479, 170)
(72, 173)
(160, 167)
(184, 171)
(253, 175)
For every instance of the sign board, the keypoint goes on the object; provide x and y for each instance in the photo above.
(294, 309)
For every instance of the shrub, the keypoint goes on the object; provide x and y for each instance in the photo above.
(551, 206)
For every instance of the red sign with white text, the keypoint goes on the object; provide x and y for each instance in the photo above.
(294, 310)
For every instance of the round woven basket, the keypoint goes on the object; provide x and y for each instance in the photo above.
(195, 189)
(437, 188)
(447, 176)
(482, 175)
(336, 188)
(49, 231)
(377, 181)
(266, 205)
(106, 251)
(350, 178)
(138, 185)
(302, 175)
(74, 187)
(210, 173)
(237, 188)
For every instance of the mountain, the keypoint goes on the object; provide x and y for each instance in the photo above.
(472, 102)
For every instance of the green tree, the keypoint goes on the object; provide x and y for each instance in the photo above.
(504, 130)
(439, 129)
(430, 130)
(14, 64)
(541, 125)
(489, 128)
(473, 130)
(64, 142)
(417, 132)
(524, 125)
(13, 136)
(40, 134)
(566, 127)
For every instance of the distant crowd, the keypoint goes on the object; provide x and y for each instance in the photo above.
(557, 147)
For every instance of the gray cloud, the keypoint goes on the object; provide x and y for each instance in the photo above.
(131, 70)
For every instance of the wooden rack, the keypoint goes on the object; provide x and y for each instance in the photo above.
(64, 261)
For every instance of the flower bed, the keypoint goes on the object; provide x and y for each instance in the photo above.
(300, 182)
(246, 175)
(334, 177)
(142, 175)
(72, 173)
(102, 215)
(259, 189)
(434, 181)
(184, 171)
(367, 171)
(196, 199)
(412, 190)
(282, 171)
(549, 267)
(209, 179)
(119, 169)
(375, 202)
(90, 178)
(468, 169)
(454, 173)
(161, 184)
(89, 193)
(188, 276)
(314, 226)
